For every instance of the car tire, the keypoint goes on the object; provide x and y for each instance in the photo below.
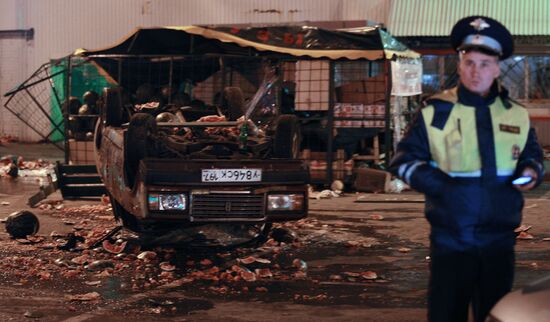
(98, 135)
(121, 214)
(138, 144)
(286, 141)
(112, 110)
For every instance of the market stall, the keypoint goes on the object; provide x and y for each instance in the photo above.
(338, 82)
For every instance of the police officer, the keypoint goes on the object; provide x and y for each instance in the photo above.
(463, 151)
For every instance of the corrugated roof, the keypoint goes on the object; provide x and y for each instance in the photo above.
(437, 17)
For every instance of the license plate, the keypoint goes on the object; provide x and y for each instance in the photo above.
(232, 175)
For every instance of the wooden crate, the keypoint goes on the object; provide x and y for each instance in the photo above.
(81, 152)
(317, 163)
(371, 180)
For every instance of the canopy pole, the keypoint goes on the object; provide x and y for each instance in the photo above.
(387, 116)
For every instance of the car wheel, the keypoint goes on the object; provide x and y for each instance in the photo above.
(138, 143)
(112, 110)
(97, 134)
(286, 142)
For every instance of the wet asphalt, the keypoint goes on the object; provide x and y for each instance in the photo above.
(381, 233)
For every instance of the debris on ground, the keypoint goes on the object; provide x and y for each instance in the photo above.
(358, 243)
(21, 224)
(375, 217)
(283, 235)
(522, 228)
(15, 166)
(324, 194)
(521, 232)
(524, 235)
(367, 275)
(97, 248)
(92, 296)
(337, 186)
(98, 251)
(33, 314)
(13, 169)
(397, 185)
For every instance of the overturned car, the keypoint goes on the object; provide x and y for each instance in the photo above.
(169, 167)
(198, 129)
(198, 146)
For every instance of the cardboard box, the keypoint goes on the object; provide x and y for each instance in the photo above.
(312, 85)
(322, 174)
(318, 165)
(81, 152)
(369, 91)
(372, 180)
(357, 97)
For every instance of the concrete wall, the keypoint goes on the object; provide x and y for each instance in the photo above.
(61, 26)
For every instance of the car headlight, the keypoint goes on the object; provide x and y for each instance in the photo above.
(285, 202)
(167, 201)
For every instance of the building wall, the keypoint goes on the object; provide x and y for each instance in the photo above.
(61, 26)
(12, 71)
(64, 25)
(12, 13)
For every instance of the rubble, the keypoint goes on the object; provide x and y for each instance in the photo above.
(324, 194)
(15, 166)
(79, 255)
(114, 248)
(8, 139)
(375, 217)
(22, 224)
(92, 296)
(524, 235)
(33, 314)
(283, 235)
(96, 253)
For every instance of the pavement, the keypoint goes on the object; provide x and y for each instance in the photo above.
(342, 236)
(32, 151)
(15, 192)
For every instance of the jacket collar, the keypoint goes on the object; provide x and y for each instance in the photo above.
(464, 96)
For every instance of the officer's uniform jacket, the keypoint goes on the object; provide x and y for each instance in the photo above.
(462, 152)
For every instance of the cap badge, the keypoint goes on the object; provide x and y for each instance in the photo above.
(479, 24)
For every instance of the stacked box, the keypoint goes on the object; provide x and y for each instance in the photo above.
(374, 116)
(380, 113)
(371, 180)
(312, 85)
(369, 91)
(317, 162)
(337, 115)
(354, 114)
(81, 152)
(357, 112)
(342, 111)
(348, 167)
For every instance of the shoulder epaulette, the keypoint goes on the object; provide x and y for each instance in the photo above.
(448, 95)
(442, 103)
